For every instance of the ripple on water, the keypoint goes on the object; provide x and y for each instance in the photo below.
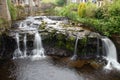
(43, 70)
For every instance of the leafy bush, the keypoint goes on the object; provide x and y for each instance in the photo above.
(82, 9)
(99, 13)
(105, 19)
(114, 9)
(87, 10)
(60, 2)
(69, 11)
(90, 10)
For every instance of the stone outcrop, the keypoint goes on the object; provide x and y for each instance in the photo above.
(7, 46)
(60, 34)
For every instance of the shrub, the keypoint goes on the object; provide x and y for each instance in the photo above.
(114, 9)
(105, 19)
(99, 13)
(90, 10)
(82, 9)
(69, 11)
(60, 2)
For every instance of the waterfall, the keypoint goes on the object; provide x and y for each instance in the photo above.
(75, 50)
(17, 52)
(98, 51)
(38, 51)
(111, 54)
(25, 46)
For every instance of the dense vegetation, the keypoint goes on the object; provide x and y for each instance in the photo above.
(61, 2)
(105, 19)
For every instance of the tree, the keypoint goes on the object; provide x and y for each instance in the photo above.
(4, 11)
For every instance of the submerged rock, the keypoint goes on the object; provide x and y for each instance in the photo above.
(80, 63)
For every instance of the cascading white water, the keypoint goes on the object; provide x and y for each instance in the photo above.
(23, 26)
(75, 50)
(30, 26)
(111, 54)
(17, 52)
(98, 51)
(38, 51)
(25, 46)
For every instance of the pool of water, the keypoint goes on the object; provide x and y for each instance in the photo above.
(51, 69)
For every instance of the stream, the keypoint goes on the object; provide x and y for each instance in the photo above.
(31, 60)
(51, 69)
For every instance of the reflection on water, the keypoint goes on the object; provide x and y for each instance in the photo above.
(50, 69)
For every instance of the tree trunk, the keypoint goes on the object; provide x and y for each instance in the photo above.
(4, 11)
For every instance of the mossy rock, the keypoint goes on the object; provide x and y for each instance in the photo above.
(70, 45)
(71, 38)
(60, 36)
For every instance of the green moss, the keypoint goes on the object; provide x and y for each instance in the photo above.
(60, 36)
(60, 44)
(71, 38)
(42, 26)
(84, 40)
(69, 46)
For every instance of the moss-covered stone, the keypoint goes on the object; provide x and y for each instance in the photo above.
(42, 26)
(60, 36)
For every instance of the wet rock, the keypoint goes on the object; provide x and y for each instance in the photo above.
(95, 64)
(54, 51)
(15, 25)
(79, 63)
(54, 31)
(7, 46)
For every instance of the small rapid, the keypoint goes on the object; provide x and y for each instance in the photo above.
(25, 46)
(17, 52)
(111, 54)
(38, 51)
(75, 50)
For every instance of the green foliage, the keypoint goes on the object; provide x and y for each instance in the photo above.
(48, 1)
(90, 10)
(69, 11)
(87, 10)
(12, 9)
(99, 13)
(60, 2)
(84, 41)
(105, 19)
(82, 9)
(114, 9)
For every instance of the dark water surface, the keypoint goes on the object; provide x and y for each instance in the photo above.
(51, 69)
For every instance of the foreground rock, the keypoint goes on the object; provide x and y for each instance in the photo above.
(60, 33)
